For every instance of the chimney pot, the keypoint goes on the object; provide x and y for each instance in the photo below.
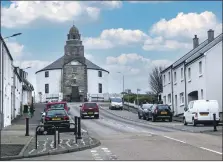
(210, 35)
(195, 41)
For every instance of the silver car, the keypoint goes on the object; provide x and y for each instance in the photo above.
(143, 110)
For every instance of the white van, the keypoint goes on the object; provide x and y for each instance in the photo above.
(116, 103)
(201, 112)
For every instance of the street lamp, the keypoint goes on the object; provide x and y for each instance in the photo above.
(2, 77)
(123, 81)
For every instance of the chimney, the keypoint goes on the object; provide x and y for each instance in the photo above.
(195, 41)
(210, 35)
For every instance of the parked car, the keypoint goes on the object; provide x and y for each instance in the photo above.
(159, 111)
(89, 109)
(201, 112)
(56, 117)
(116, 103)
(143, 110)
(57, 105)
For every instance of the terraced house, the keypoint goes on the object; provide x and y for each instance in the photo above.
(196, 75)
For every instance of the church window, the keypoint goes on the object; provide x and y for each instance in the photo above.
(99, 73)
(99, 88)
(46, 88)
(46, 74)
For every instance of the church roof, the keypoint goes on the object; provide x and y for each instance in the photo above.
(58, 64)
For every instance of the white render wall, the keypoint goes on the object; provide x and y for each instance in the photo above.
(18, 96)
(178, 88)
(167, 89)
(8, 83)
(54, 81)
(94, 80)
(214, 74)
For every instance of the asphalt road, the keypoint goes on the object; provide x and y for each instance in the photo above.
(125, 139)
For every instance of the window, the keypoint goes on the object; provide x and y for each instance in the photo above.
(200, 67)
(74, 70)
(175, 76)
(99, 88)
(164, 79)
(99, 73)
(202, 94)
(164, 98)
(182, 73)
(189, 74)
(46, 88)
(182, 98)
(169, 98)
(175, 100)
(74, 81)
(46, 74)
(169, 76)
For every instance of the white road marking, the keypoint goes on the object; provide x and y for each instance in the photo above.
(211, 150)
(68, 143)
(174, 139)
(51, 144)
(83, 142)
(93, 151)
(61, 143)
(83, 130)
(31, 151)
(44, 147)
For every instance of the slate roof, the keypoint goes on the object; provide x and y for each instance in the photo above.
(58, 64)
(194, 53)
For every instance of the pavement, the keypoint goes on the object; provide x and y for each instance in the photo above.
(15, 145)
(135, 139)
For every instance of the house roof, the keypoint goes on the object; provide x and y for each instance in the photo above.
(58, 64)
(217, 40)
(202, 48)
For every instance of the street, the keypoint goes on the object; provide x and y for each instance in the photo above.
(125, 139)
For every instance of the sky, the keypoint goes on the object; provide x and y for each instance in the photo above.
(124, 37)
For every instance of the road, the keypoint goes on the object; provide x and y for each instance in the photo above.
(129, 139)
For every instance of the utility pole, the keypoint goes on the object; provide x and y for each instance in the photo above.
(137, 96)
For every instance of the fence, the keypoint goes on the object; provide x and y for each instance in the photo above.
(102, 97)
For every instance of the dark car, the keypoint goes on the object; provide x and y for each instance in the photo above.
(56, 117)
(160, 111)
(90, 109)
(143, 110)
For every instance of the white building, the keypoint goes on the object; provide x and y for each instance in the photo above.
(49, 81)
(11, 79)
(196, 75)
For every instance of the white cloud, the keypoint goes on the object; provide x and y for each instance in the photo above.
(155, 2)
(21, 13)
(124, 59)
(15, 49)
(160, 44)
(187, 25)
(110, 38)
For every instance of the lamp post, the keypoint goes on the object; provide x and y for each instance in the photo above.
(2, 78)
(137, 96)
(123, 81)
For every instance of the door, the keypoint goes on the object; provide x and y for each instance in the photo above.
(190, 112)
(75, 96)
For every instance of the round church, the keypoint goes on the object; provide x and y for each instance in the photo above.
(72, 77)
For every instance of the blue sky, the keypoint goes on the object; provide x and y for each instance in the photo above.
(118, 36)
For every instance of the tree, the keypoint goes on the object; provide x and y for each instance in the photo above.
(155, 80)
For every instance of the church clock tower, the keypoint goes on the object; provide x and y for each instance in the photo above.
(74, 68)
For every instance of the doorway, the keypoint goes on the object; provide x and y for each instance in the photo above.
(192, 96)
(75, 96)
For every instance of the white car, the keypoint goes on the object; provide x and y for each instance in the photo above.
(201, 112)
(116, 103)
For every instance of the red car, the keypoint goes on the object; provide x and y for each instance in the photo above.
(89, 109)
(57, 105)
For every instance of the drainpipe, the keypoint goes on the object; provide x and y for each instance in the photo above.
(2, 85)
(172, 89)
(185, 83)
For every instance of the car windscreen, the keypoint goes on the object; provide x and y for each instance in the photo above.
(119, 100)
(56, 106)
(147, 106)
(56, 112)
(162, 107)
(90, 105)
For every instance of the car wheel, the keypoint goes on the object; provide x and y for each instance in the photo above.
(163, 120)
(82, 116)
(144, 118)
(170, 119)
(185, 122)
(96, 117)
(147, 118)
(153, 119)
(139, 116)
(194, 122)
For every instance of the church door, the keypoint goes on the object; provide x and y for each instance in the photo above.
(75, 96)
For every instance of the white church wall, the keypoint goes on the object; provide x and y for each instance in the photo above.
(54, 81)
